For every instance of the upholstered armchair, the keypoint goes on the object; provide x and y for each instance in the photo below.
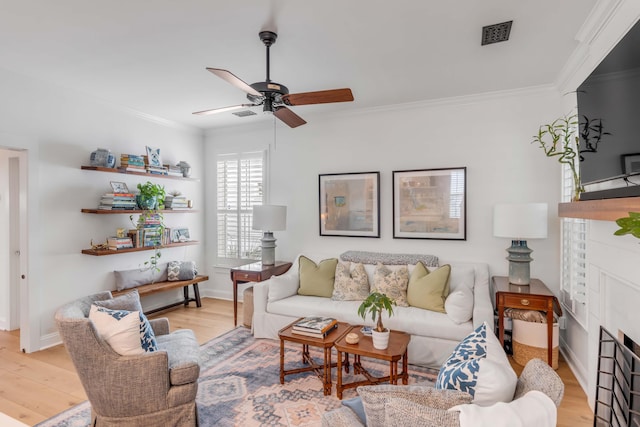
(425, 406)
(151, 389)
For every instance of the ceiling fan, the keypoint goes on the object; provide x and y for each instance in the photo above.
(275, 97)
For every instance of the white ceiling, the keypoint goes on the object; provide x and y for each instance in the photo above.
(150, 55)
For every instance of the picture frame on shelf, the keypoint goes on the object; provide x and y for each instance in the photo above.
(153, 156)
(179, 235)
(631, 163)
(430, 204)
(350, 204)
(119, 187)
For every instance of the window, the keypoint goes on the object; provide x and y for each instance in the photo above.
(240, 186)
(574, 262)
(457, 194)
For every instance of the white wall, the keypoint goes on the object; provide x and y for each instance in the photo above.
(490, 135)
(60, 128)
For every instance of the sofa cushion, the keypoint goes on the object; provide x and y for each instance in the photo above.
(392, 283)
(183, 353)
(401, 412)
(350, 284)
(375, 399)
(283, 287)
(129, 301)
(479, 366)
(459, 305)
(127, 332)
(428, 289)
(181, 270)
(317, 279)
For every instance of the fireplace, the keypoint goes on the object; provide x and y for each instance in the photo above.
(618, 381)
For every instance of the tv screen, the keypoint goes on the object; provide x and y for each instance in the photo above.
(608, 113)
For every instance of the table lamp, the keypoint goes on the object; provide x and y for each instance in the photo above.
(520, 222)
(269, 218)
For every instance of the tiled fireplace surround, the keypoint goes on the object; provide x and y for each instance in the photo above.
(613, 287)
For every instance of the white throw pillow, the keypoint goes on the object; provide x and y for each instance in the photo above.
(459, 305)
(479, 366)
(284, 286)
(122, 332)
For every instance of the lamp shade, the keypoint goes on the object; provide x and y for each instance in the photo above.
(520, 221)
(269, 218)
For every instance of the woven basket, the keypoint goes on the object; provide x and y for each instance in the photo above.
(247, 307)
(530, 342)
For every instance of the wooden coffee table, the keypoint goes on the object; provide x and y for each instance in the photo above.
(322, 370)
(397, 349)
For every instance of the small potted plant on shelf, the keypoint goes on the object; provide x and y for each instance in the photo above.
(374, 305)
(151, 196)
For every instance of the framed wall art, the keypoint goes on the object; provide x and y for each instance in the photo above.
(350, 204)
(430, 204)
(630, 163)
(179, 235)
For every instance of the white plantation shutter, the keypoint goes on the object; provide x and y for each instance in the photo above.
(574, 250)
(240, 183)
(457, 193)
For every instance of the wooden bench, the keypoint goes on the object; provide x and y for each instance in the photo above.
(154, 288)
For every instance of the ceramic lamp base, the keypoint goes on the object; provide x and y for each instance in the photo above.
(268, 248)
(519, 262)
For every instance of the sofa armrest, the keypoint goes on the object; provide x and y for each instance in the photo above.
(341, 417)
(482, 305)
(260, 296)
(160, 326)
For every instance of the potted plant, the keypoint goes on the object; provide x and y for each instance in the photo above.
(374, 305)
(629, 225)
(560, 139)
(151, 196)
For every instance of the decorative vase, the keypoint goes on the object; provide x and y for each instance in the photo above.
(380, 339)
(146, 203)
(102, 157)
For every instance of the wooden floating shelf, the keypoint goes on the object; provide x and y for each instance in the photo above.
(122, 171)
(102, 252)
(133, 211)
(600, 210)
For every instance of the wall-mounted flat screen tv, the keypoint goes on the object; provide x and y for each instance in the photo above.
(609, 120)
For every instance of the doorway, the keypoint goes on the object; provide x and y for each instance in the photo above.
(13, 253)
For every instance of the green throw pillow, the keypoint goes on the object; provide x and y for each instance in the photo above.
(317, 279)
(429, 290)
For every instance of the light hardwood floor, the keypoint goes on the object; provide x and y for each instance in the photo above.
(36, 386)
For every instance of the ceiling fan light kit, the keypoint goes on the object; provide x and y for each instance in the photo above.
(275, 97)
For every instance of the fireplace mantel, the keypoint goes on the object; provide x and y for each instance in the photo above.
(601, 210)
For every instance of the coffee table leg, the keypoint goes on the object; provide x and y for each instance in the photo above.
(339, 383)
(346, 362)
(305, 352)
(281, 361)
(393, 372)
(405, 372)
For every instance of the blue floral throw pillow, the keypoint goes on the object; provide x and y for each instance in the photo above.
(479, 366)
(127, 332)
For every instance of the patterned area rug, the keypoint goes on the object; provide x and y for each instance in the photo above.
(240, 386)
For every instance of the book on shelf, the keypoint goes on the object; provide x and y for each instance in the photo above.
(117, 195)
(315, 324)
(314, 334)
(116, 243)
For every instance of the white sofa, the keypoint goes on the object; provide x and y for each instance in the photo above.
(433, 335)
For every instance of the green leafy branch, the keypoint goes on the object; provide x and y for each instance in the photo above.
(559, 139)
(374, 305)
(629, 225)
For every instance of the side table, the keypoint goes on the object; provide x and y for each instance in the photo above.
(396, 351)
(535, 296)
(254, 272)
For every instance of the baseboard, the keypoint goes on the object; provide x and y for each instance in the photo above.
(579, 371)
(50, 340)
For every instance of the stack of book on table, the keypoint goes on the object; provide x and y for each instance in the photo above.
(118, 201)
(173, 170)
(314, 326)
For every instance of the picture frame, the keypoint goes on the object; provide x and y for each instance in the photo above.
(631, 163)
(153, 156)
(119, 187)
(349, 204)
(179, 235)
(430, 204)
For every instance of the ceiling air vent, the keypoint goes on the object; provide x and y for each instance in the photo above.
(496, 33)
(245, 113)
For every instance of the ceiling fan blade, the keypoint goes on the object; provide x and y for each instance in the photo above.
(223, 109)
(231, 78)
(290, 118)
(319, 97)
